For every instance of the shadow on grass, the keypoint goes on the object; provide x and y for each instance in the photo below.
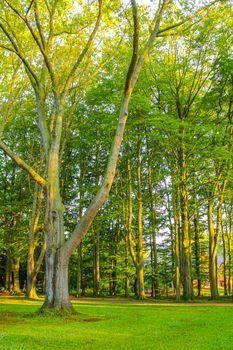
(11, 317)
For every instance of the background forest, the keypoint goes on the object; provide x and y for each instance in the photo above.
(166, 228)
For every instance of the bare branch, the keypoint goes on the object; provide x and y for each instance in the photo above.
(83, 53)
(37, 41)
(32, 76)
(39, 179)
(134, 58)
(187, 19)
(29, 7)
(39, 25)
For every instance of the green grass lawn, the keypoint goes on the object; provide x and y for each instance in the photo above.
(116, 326)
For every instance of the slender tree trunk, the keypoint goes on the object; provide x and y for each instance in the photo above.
(197, 247)
(32, 267)
(79, 271)
(177, 248)
(214, 237)
(140, 259)
(153, 244)
(137, 256)
(212, 251)
(186, 243)
(224, 262)
(229, 263)
(127, 284)
(96, 259)
(229, 250)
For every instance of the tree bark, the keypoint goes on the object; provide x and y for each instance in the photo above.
(212, 251)
(153, 243)
(186, 243)
(32, 267)
(15, 264)
(96, 259)
(197, 246)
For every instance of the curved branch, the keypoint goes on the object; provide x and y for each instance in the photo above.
(32, 76)
(39, 44)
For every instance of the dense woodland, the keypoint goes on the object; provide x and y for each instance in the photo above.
(165, 229)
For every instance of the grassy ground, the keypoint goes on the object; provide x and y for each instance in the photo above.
(116, 326)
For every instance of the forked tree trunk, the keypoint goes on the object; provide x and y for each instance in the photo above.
(58, 251)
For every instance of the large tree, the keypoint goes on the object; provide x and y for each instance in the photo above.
(59, 52)
(52, 76)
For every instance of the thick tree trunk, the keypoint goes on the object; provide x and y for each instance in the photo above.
(140, 280)
(31, 288)
(8, 280)
(15, 263)
(57, 291)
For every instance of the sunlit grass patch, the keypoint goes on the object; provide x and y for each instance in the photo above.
(109, 326)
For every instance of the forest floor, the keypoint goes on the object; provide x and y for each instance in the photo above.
(114, 324)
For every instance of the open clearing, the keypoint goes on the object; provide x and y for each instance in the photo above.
(102, 325)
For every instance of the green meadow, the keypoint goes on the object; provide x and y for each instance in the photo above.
(101, 325)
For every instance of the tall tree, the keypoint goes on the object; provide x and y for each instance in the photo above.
(37, 23)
